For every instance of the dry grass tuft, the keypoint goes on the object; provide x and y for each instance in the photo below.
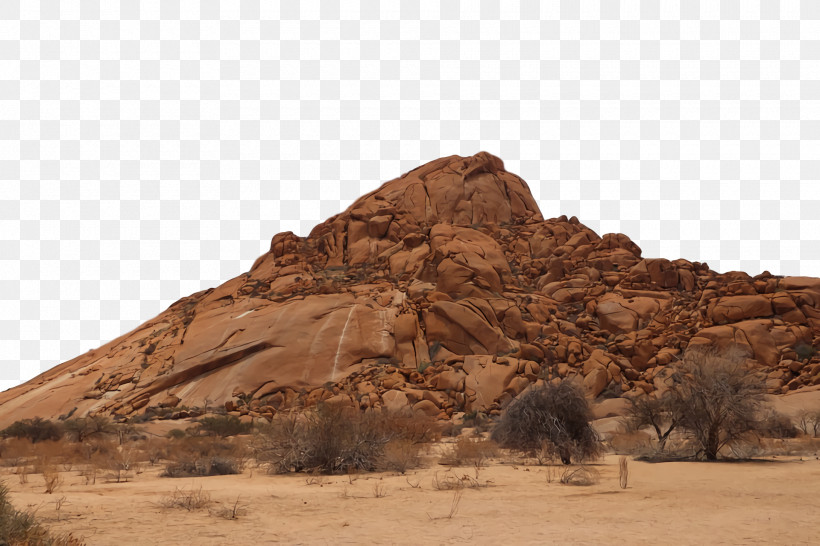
(580, 475)
(190, 500)
(470, 451)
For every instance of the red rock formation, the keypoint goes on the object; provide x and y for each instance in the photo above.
(445, 290)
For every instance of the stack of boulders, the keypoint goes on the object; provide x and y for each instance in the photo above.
(445, 291)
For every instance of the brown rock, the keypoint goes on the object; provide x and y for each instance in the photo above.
(443, 288)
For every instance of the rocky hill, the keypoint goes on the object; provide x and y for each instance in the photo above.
(444, 290)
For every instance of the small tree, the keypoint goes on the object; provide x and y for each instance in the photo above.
(809, 422)
(717, 397)
(83, 428)
(554, 415)
(36, 430)
(659, 412)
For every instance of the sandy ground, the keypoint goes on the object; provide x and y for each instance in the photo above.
(770, 502)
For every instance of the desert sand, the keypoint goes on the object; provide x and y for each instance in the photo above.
(763, 502)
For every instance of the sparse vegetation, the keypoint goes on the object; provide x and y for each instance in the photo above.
(230, 511)
(194, 456)
(580, 475)
(716, 397)
(222, 426)
(715, 400)
(453, 480)
(658, 412)
(335, 440)
(84, 428)
(555, 416)
(35, 430)
(809, 422)
(187, 499)
(19, 527)
(469, 451)
(400, 455)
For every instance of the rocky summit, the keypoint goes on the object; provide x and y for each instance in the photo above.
(444, 290)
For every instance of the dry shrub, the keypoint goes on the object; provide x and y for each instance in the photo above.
(205, 456)
(453, 480)
(16, 451)
(580, 475)
(400, 455)
(121, 464)
(454, 503)
(155, 449)
(190, 500)
(753, 447)
(809, 422)
(410, 425)
(556, 415)
(469, 451)
(716, 398)
(230, 511)
(51, 478)
(335, 440)
(776, 425)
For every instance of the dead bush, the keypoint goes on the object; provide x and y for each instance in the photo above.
(555, 413)
(776, 425)
(716, 397)
(400, 455)
(660, 412)
(51, 479)
(16, 451)
(580, 475)
(229, 511)
(333, 440)
(454, 480)
(122, 463)
(809, 422)
(155, 449)
(205, 456)
(190, 500)
(469, 451)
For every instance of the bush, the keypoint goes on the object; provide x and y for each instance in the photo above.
(36, 430)
(658, 412)
(776, 425)
(809, 422)
(553, 415)
(223, 426)
(194, 456)
(334, 440)
(469, 451)
(195, 499)
(400, 456)
(84, 428)
(716, 398)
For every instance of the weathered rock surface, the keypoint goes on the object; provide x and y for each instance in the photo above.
(444, 290)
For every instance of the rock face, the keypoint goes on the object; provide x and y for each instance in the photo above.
(444, 290)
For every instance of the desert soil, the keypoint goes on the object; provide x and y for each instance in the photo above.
(768, 502)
